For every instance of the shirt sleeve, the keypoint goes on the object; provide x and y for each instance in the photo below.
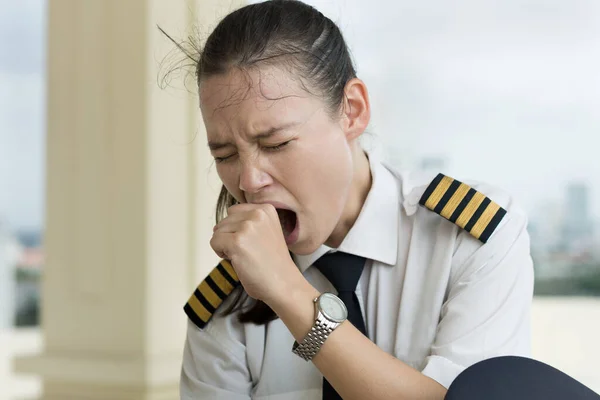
(487, 309)
(214, 362)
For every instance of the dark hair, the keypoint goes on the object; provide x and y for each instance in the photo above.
(285, 33)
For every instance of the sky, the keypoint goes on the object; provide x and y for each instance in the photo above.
(506, 92)
(22, 113)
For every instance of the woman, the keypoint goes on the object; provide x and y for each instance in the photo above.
(423, 277)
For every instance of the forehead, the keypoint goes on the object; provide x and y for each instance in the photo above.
(252, 97)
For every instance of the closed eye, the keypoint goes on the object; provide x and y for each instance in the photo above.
(267, 148)
(221, 159)
(277, 147)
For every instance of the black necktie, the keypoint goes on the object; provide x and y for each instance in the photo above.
(343, 270)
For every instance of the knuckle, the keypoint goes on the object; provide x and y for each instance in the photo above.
(246, 226)
(258, 214)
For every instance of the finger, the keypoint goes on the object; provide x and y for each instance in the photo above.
(248, 211)
(232, 219)
(221, 244)
(245, 207)
(232, 226)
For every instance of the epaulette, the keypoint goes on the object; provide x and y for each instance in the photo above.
(211, 293)
(464, 206)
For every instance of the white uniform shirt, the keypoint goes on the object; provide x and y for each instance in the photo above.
(431, 294)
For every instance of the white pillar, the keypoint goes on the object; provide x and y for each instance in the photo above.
(129, 211)
(5, 364)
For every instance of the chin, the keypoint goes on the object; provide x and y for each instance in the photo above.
(302, 250)
(305, 246)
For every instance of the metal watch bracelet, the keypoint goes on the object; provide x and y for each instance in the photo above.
(312, 342)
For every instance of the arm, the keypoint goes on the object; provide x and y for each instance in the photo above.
(487, 311)
(214, 362)
(486, 314)
(352, 363)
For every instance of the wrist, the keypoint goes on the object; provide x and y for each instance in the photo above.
(289, 288)
(295, 307)
(296, 292)
(330, 313)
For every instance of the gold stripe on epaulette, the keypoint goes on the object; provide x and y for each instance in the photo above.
(229, 268)
(464, 206)
(211, 293)
(199, 310)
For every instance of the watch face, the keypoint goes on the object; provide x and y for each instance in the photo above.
(333, 308)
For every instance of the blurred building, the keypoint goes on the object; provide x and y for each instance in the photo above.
(577, 233)
(545, 226)
(596, 240)
(10, 251)
(28, 280)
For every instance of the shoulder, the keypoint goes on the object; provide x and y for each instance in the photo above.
(476, 208)
(218, 291)
(476, 223)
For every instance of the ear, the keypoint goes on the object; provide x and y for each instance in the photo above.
(357, 110)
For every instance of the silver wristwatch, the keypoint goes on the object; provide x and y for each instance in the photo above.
(330, 312)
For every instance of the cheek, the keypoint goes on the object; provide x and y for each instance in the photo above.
(335, 178)
(321, 175)
(334, 162)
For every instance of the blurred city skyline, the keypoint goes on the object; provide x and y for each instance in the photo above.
(503, 92)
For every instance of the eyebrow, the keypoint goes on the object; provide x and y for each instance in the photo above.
(214, 145)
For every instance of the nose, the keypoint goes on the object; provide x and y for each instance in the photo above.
(253, 177)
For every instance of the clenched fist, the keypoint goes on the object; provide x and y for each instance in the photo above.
(251, 238)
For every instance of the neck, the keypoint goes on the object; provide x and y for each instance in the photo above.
(361, 184)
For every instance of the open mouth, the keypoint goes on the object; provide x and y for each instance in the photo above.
(289, 224)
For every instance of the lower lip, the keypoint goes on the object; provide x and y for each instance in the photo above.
(293, 236)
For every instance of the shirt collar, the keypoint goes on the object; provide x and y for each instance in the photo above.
(374, 235)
